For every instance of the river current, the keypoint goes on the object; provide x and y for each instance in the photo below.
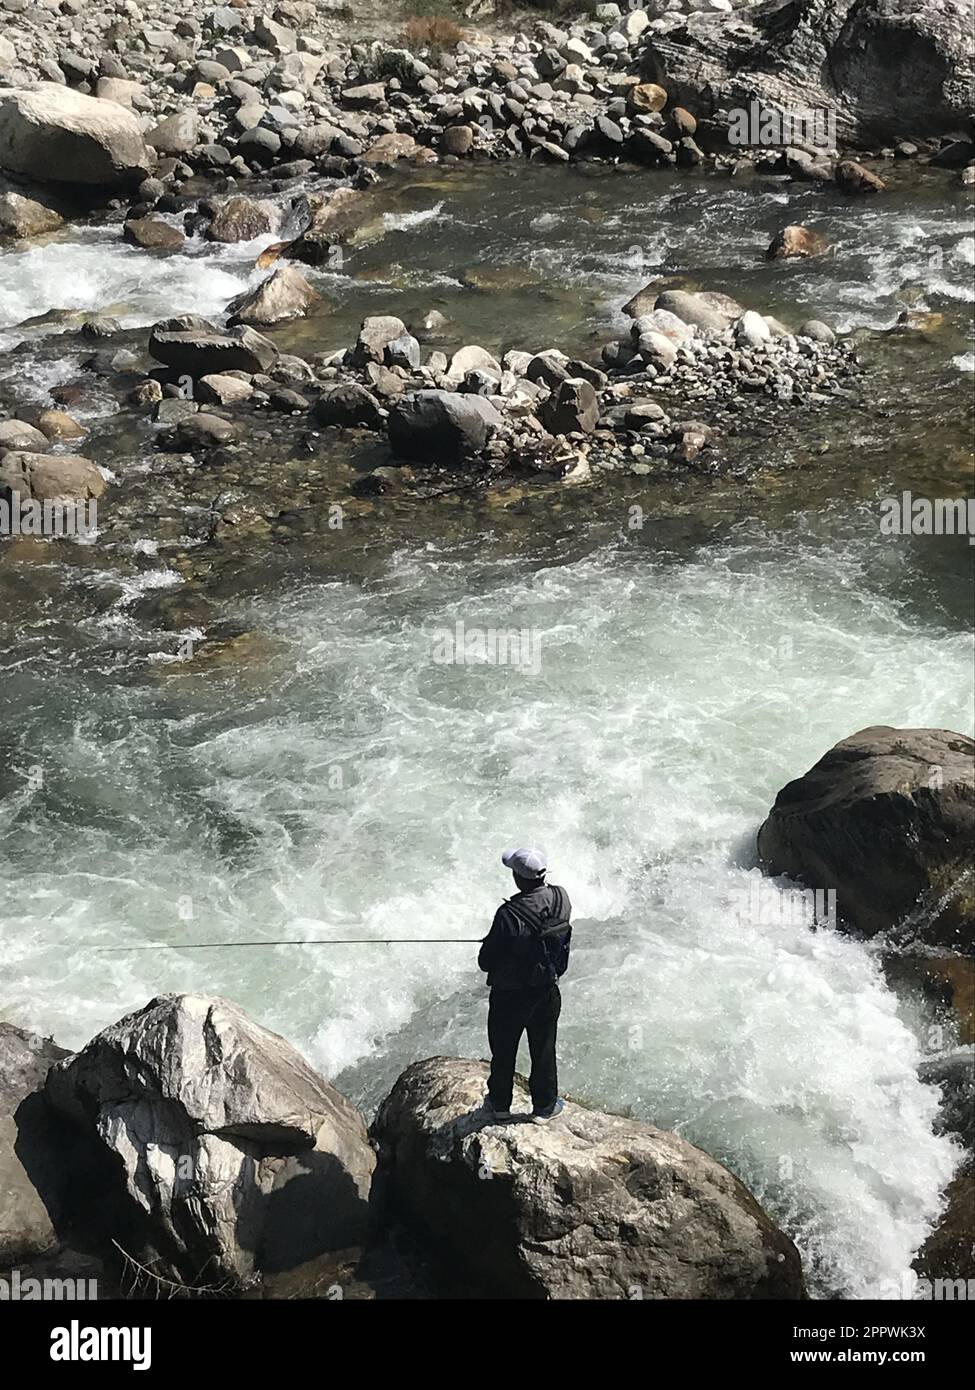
(344, 779)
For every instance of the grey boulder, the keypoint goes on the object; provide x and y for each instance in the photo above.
(197, 347)
(588, 1206)
(57, 135)
(441, 427)
(887, 819)
(235, 1157)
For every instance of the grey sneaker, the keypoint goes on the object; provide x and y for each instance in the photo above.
(541, 1116)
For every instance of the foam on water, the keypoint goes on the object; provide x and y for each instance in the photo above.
(96, 272)
(354, 786)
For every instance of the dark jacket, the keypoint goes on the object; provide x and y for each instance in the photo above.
(515, 954)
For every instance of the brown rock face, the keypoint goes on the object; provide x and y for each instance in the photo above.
(854, 179)
(795, 240)
(646, 96)
(589, 1206)
(887, 818)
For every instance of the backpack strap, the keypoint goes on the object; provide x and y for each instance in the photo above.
(542, 925)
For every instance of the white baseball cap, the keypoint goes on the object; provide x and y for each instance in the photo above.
(526, 863)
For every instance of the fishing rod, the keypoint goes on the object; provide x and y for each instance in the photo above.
(348, 941)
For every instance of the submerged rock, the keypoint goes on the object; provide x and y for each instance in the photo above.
(795, 240)
(887, 819)
(590, 1205)
(852, 177)
(230, 1154)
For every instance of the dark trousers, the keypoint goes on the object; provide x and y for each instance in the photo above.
(512, 1012)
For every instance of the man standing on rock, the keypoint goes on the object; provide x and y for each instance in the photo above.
(525, 954)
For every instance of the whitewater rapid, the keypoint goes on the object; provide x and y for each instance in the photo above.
(352, 785)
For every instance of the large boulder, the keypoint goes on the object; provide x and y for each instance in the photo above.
(232, 1155)
(55, 134)
(887, 819)
(588, 1206)
(441, 427)
(196, 347)
(27, 1171)
(886, 68)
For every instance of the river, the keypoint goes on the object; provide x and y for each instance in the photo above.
(330, 776)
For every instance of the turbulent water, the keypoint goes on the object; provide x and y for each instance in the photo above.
(346, 781)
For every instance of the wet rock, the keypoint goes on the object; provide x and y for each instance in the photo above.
(50, 477)
(18, 434)
(195, 346)
(441, 427)
(99, 327)
(57, 425)
(285, 294)
(204, 431)
(887, 819)
(333, 220)
(853, 178)
(590, 1206)
(152, 234)
(572, 409)
(795, 240)
(649, 147)
(57, 135)
(22, 217)
(240, 219)
(807, 167)
(223, 389)
(230, 1156)
(815, 329)
(949, 1252)
(171, 410)
(349, 404)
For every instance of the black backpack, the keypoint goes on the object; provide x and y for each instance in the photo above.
(553, 932)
